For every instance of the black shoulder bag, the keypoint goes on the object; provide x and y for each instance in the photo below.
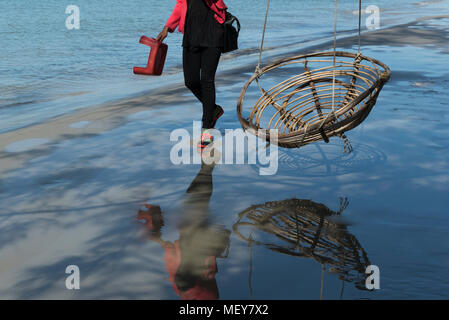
(231, 34)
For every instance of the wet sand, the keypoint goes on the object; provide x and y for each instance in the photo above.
(72, 191)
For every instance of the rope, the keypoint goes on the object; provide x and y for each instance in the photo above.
(263, 38)
(322, 281)
(342, 289)
(360, 21)
(335, 53)
(333, 70)
(250, 276)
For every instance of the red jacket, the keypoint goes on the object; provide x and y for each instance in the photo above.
(205, 288)
(178, 16)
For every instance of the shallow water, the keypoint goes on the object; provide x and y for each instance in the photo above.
(80, 201)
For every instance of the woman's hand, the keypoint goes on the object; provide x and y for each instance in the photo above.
(162, 35)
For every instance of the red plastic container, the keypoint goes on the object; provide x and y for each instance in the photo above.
(156, 60)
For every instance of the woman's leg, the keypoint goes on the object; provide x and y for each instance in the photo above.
(209, 63)
(191, 62)
(200, 67)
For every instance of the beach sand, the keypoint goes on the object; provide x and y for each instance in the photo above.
(72, 186)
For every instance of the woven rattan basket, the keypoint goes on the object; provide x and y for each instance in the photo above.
(316, 104)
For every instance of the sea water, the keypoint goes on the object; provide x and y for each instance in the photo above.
(47, 70)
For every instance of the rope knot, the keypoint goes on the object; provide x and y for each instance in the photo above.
(258, 72)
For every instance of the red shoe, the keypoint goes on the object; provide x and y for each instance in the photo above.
(218, 112)
(206, 139)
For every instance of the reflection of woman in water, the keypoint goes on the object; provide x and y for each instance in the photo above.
(191, 260)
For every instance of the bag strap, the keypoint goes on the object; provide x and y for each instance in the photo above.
(230, 20)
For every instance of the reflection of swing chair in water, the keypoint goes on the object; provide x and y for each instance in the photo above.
(303, 228)
(324, 160)
(334, 94)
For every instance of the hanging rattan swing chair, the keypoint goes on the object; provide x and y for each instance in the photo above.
(303, 228)
(334, 93)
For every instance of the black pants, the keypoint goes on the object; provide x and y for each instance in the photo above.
(200, 66)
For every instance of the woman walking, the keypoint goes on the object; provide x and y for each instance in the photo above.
(201, 22)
